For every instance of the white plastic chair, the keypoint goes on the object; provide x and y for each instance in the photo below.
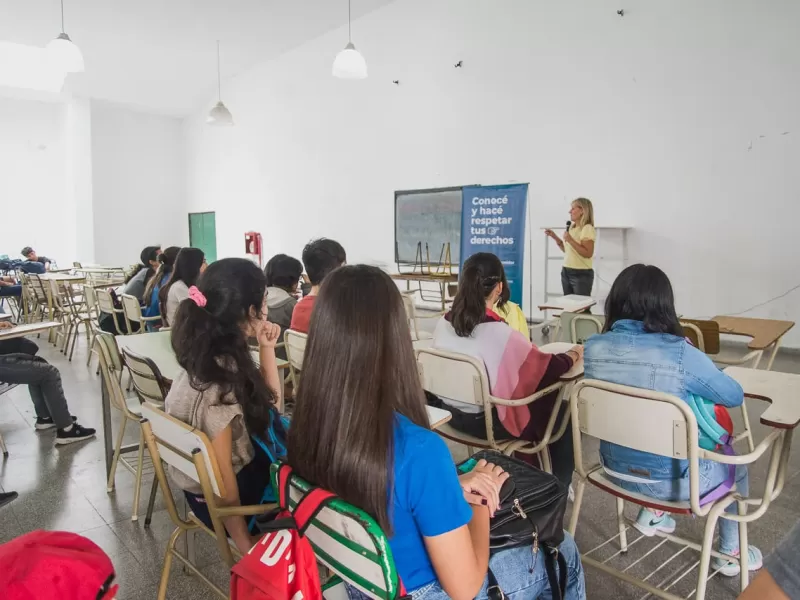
(419, 338)
(295, 345)
(576, 328)
(189, 451)
(463, 378)
(105, 302)
(661, 424)
(133, 314)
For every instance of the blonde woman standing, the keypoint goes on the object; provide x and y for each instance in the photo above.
(577, 274)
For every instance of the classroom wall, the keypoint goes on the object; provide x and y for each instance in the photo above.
(33, 191)
(138, 182)
(679, 119)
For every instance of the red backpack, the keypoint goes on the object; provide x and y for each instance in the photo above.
(282, 565)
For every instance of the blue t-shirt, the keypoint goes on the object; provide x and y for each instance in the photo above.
(428, 500)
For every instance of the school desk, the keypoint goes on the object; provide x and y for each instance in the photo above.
(766, 333)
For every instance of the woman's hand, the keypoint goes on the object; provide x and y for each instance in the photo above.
(567, 236)
(6, 325)
(482, 485)
(576, 353)
(268, 334)
(550, 233)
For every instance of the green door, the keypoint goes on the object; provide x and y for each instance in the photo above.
(203, 234)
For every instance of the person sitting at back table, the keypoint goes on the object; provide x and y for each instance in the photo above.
(137, 281)
(220, 390)
(283, 276)
(375, 450)
(515, 367)
(189, 263)
(643, 345)
(30, 255)
(166, 262)
(320, 257)
(20, 365)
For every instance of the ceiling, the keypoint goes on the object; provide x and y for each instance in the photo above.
(160, 55)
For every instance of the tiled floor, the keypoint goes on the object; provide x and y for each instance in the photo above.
(65, 489)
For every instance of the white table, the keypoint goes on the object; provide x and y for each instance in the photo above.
(157, 346)
(438, 416)
(27, 329)
(6, 316)
(576, 372)
(572, 303)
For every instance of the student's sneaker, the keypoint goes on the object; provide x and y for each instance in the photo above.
(648, 522)
(6, 497)
(76, 433)
(730, 569)
(45, 424)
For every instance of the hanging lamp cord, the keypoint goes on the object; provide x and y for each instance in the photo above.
(349, 22)
(219, 76)
(62, 16)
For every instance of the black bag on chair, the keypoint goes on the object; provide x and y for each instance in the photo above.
(532, 507)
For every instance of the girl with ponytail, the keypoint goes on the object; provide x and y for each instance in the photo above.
(515, 367)
(220, 390)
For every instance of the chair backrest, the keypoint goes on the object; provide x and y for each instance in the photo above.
(37, 287)
(454, 376)
(91, 300)
(147, 379)
(177, 444)
(111, 370)
(704, 335)
(576, 328)
(411, 314)
(106, 302)
(350, 543)
(636, 418)
(76, 264)
(295, 347)
(131, 308)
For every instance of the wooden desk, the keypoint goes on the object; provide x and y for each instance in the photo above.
(576, 372)
(62, 277)
(6, 316)
(442, 280)
(438, 416)
(781, 390)
(27, 329)
(572, 303)
(766, 333)
(157, 346)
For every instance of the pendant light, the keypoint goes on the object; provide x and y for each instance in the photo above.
(66, 54)
(349, 63)
(219, 115)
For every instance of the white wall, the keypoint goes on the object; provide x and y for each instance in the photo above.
(657, 116)
(33, 179)
(138, 183)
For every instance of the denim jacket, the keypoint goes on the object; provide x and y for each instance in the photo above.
(629, 355)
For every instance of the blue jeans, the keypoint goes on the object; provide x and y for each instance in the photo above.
(712, 475)
(516, 577)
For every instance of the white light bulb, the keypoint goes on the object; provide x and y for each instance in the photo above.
(66, 54)
(349, 64)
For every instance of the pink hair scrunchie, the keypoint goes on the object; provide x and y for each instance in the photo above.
(197, 297)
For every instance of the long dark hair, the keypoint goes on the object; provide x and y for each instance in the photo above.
(166, 260)
(643, 293)
(149, 253)
(284, 272)
(187, 269)
(479, 276)
(358, 371)
(210, 343)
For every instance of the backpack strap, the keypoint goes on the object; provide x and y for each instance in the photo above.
(310, 504)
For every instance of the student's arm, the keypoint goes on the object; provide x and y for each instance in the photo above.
(763, 587)
(236, 526)
(707, 381)
(460, 557)
(268, 336)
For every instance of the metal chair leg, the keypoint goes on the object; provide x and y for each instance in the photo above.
(623, 536)
(138, 490)
(576, 507)
(744, 548)
(115, 459)
(151, 502)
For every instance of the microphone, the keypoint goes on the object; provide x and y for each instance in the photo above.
(569, 223)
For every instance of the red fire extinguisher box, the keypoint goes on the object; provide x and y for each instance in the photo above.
(252, 246)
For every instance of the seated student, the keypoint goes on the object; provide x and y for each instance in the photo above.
(19, 364)
(283, 277)
(220, 390)
(515, 367)
(511, 312)
(33, 262)
(378, 453)
(189, 263)
(10, 287)
(166, 262)
(137, 281)
(643, 345)
(320, 257)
